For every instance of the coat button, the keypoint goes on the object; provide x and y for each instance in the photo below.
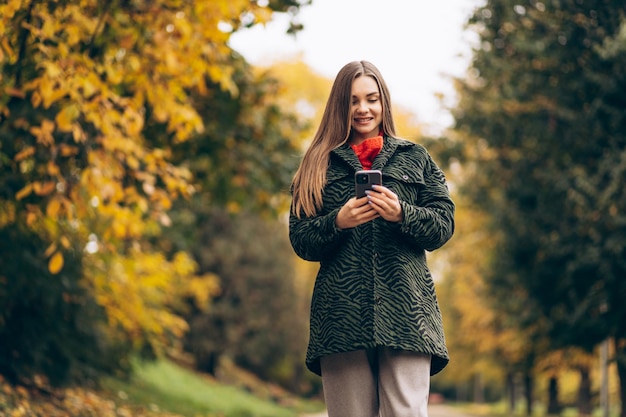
(405, 177)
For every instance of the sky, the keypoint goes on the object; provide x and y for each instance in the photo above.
(416, 44)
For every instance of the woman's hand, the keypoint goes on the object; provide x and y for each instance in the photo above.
(355, 212)
(385, 202)
(380, 202)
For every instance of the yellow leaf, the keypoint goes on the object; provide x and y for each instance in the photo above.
(43, 133)
(53, 208)
(51, 249)
(56, 263)
(44, 188)
(48, 29)
(53, 169)
(73, 34)
(24, 192)
(91, 85)
(78, 134)
(65, 118)
(33, 213)
(45, 91)
(68, 150)
(65, 242)
(53, 70)
(6, 47)
(233, 207)
(24, 153)
(35, 99)
(31, 218)
(132, 162)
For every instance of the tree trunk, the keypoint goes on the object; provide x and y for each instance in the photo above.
(207, 362)
(510, 385)
(462, 391)
(620, 354)
(584, 392)
(479, 389)
(554, 408)
(528, 388)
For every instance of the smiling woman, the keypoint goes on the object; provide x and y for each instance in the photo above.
(376, 332)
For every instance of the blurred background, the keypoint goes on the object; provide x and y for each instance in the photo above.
(146, 155)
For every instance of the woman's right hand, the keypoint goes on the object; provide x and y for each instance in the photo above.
(355, 212)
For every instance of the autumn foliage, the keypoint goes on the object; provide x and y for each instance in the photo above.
(540, 122)
(94, 98)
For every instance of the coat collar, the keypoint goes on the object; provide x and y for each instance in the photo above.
(390, 144)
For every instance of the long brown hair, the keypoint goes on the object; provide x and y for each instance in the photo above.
(334, 130)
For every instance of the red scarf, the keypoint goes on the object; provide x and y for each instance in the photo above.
(367, 150)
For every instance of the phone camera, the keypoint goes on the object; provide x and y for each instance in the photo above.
(362, 179)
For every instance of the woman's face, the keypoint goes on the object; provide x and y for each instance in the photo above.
(366, 109)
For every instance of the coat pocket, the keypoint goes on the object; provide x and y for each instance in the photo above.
(405, 174)
(406, 182)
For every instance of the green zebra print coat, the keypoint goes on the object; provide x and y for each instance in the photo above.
(374, 287)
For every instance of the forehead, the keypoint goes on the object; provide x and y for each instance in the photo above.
(364, 85)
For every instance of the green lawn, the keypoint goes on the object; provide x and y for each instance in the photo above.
(165, 386)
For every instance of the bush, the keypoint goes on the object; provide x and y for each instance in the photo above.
(49, 324)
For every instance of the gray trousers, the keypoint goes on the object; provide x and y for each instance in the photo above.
(379, 382)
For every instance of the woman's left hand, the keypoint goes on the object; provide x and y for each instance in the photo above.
(386, 203)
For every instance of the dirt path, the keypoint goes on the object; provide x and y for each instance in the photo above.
(435, 410)
(442, 410)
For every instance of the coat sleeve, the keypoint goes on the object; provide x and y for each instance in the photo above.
(430, 223)
(315, 238)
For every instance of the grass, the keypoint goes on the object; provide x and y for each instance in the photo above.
(168, 387)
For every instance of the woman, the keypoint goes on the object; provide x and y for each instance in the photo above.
(376, 333)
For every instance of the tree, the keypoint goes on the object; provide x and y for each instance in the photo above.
(543, 109)
(243, 163)
(94, 96)
(253, 320)
(486, 346)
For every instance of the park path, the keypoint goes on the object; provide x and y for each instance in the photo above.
(442, 410)
(434, 410)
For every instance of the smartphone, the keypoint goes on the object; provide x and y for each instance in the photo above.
(364, 179)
